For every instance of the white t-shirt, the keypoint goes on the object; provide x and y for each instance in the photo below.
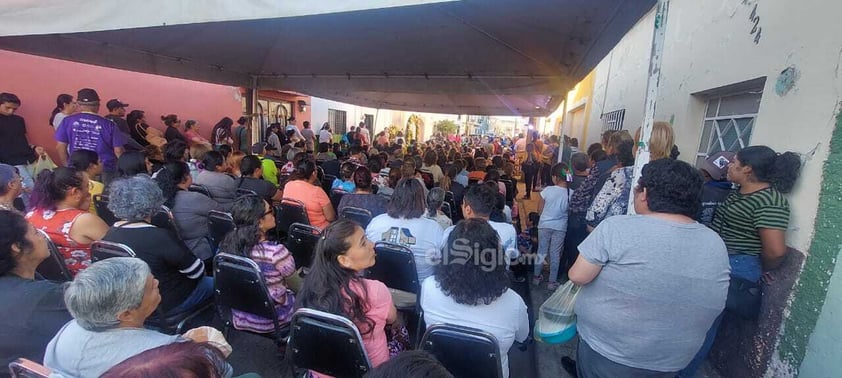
(505, 318)
(325, 136)
(556, 200)
(421, 235)
(57, 119)
(506, 232)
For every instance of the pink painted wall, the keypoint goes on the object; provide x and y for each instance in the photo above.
(37, 81)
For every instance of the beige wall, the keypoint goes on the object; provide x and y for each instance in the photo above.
(708, 45)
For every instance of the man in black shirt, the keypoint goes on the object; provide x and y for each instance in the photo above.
(116, 112)
(14, 146)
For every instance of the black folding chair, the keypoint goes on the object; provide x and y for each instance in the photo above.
(395, 267)
(427, 177)
(287, 212)
(101, 206)
(336, 198)
(200, 189)
(245, 192)
(326, 343)
(23, 368)
(327, 182)
(164, 219)
(301, 243)
(101, 250)
(219, 225)
(464, 351)
(445, 208)
(53, 268)
(456, 212)
(510, 191)
(239, 285)
(331, 168)
(359, 216)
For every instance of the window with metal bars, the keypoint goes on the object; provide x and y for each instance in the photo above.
(729, 121)
(613, 120)
(337, 120)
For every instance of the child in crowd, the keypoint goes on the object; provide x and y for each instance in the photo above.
(527, 244)
(717, 187)
(552, 228)
(345, 182)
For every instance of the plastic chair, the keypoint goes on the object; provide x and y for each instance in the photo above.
(101, 250)
(445, 208)
(464, 351)
(336, 198)
(101, 206)
(326, 343)
(456, 211)
(219, 225)
(23, 368)
(200, 189)
(53, 267)
(327, 182)
(287, 212)
(239, 285)
(301, 243)
(395, 267)
(359, 216)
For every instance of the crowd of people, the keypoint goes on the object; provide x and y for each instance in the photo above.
(653, 285)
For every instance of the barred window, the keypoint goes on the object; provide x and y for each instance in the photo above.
(613, 120)
(337, 120)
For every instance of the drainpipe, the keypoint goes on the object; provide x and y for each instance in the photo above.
(652, 86)
(255, 120)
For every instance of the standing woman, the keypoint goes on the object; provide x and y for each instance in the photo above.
(325, 135)
(60, 204)
(613, 198)
(65, 106)
(335, 284)
(221, 133)
(529, 166)
(173, 123)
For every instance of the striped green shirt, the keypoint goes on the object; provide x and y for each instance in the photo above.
(739, 218)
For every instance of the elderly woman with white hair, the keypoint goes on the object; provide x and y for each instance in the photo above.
(181, 274)
(109, 302)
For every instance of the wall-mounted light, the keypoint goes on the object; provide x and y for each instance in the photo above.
(302, 106)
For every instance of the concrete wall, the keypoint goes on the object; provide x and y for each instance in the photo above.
(710, 44)
(37, 81)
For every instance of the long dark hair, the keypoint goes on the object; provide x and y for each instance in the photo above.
(328, 285)
(169, 119)
(779, 170)
(51, 187)
(169, 177)
(304, 169)
(61, 101)
(408, 200)
(212, 160)
(131, 163)
(224, 124)
(173, 360)
(13, 229)
(466, 274)
(247, 211)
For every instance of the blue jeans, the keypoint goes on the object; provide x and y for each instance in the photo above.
(743, 266)
(201, 294)
(27, 181)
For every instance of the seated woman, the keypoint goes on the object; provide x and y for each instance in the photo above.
(392, 179)
(60, 204)
(109, 302)
(335, 285)
(254, 217)
(190, 209)
(180, 273)
(477, 294)
(362, 197)
(345, 181)
(191, 133)
(33, 309)
(303, 186)
(404, 223)
(430, 166)
(88, 161)
(435, 198)
(223, 188)
(251, 169)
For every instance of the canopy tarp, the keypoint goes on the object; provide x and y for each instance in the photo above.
(484, 57)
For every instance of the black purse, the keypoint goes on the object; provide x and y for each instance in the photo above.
(744, 298)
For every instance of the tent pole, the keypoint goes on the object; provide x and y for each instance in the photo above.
(255, 118)
(652, 86)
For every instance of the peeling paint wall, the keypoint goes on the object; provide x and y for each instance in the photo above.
(797, 47)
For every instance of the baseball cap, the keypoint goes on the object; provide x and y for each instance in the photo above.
(7, 174)
(115, 104)
(87, 96)
(716, 165)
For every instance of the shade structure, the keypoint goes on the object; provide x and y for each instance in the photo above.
(484, 57)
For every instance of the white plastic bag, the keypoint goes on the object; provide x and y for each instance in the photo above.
(556, 322)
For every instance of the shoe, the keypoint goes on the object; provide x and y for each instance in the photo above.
(536, 280)
(551, 286)
(569, 365)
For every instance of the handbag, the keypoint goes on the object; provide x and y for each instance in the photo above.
(744, 298)
(43, 163)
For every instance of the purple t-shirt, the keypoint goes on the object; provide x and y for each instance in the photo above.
(88, 131)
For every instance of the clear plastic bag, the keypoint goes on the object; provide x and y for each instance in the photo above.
(556, 322)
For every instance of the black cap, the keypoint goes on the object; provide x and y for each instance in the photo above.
(87, 96)
(258, 148)
(115, 104)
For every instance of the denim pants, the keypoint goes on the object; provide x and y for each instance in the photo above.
(550, 242)
(27, 181)
(202, 292)
(743, 266)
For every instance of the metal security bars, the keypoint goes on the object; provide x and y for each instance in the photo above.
(337, 120)
(728, 123)
(613, 120)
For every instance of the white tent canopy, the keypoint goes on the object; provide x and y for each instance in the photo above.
(497, 57)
